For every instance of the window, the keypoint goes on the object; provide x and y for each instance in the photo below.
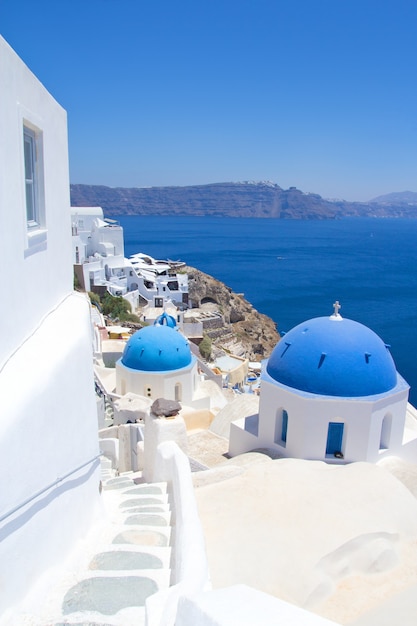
(33, 182)
(178, 394)
(385, 432)
(281, 426)
(34, 197)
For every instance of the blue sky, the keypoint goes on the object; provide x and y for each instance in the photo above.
(317, 94)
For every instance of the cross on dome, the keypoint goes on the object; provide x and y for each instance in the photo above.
(336, 315)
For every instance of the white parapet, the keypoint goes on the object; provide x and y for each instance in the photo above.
(190, 573)
(159, 430)
(241, 605)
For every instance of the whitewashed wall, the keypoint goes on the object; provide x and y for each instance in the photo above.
(161, 384)
(309, 416)
(48, 422)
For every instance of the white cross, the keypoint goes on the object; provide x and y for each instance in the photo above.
(337, 306)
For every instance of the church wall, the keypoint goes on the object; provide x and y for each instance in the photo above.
(159, 384)
(394, 408)
(309, 417)
(240, 440)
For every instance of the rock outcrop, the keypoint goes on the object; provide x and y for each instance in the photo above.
(242, 325)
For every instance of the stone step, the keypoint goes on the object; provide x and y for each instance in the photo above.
(143, 536)
(127, 560)
(132, 556)
(142, 498)
(91, 592)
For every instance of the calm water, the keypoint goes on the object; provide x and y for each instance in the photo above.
(294, 270)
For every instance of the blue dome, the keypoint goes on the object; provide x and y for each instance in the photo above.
(333, 356)
(166, 320)
(157, 349)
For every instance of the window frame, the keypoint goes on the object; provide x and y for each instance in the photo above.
(31, 178)
(33, 186)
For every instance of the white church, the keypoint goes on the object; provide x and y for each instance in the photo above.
(157, 362)
(330, 392)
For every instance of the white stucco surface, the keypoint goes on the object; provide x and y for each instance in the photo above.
(242, 606)
(335, 540)
(48, 428)
(42, 276)
(50, 476)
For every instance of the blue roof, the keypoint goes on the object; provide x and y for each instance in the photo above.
(333, 356)
(166, 320)
(157, 349)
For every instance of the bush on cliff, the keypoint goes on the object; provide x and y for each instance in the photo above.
(205, 347)
(114, 307)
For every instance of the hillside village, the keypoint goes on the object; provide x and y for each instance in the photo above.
(149, 480)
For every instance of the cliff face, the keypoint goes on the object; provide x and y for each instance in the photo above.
(244, 326)
(261, 199)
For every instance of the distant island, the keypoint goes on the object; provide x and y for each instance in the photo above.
(242, 199)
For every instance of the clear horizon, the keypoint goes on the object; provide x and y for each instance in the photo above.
(320, 95)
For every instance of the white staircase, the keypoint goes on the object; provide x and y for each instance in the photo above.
(131, 560)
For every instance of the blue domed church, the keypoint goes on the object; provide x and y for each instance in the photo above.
(329, 391)
(157, 363)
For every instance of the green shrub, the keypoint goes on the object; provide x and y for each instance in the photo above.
(205, 347)
(114, 307)
(94, 298)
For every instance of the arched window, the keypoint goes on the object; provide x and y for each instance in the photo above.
(178, 393)
(385, 432)
(281, 426)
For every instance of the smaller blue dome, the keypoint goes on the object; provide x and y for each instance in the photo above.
(333, 356)
(157, 349)
(166, 320)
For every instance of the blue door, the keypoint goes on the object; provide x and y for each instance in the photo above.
(334, 437)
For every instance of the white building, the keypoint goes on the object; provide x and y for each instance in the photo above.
(99, 261)
(157, 362)
(98, 251)
(330, 392)
(49, 450)
(158, 281)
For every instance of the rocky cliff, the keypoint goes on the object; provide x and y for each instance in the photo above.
(247, 199)
(243, 326)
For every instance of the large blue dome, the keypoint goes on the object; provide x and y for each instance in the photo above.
(157, 349)
(333, 356)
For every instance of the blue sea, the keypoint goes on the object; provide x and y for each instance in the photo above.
(295, 270)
